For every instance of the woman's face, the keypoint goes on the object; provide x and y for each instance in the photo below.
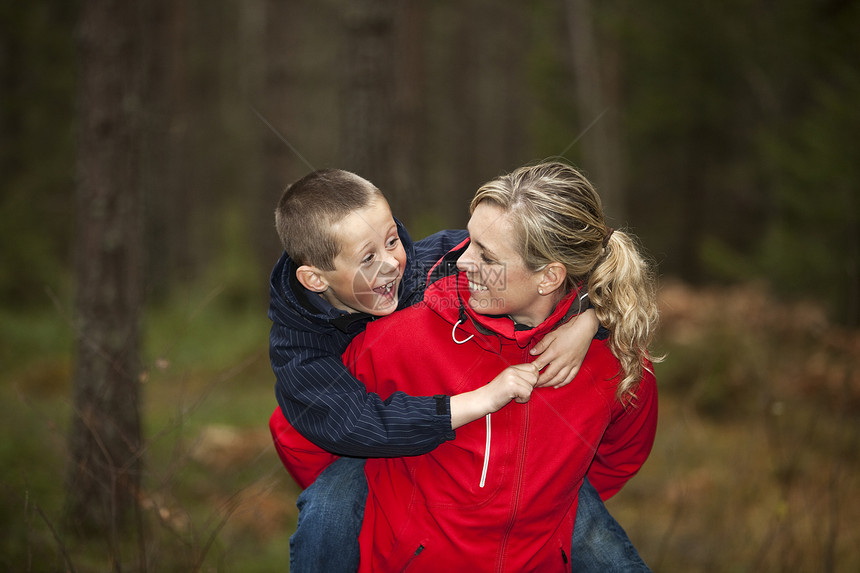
(499, 282)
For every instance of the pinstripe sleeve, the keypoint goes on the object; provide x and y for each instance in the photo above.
(332, 409)
(428, 251)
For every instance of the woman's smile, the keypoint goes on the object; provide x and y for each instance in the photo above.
(477, 287)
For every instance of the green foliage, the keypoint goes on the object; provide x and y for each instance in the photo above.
(741, 122)
(813, 243)
(202, 328)
(36, 152)
(724, 263)
(553, 124)
(703, 372)
(34, 339)
(235, 268)
(424, 224)
(32, 458)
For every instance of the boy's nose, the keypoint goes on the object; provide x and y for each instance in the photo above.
(389, 263)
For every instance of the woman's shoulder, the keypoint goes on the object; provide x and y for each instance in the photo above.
(600, 369)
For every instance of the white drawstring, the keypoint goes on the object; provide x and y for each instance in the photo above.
(454, 338)
(486, 455)
(487, 447)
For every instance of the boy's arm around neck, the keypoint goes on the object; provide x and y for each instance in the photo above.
(427, 253)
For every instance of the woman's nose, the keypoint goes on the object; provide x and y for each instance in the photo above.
(465, 262)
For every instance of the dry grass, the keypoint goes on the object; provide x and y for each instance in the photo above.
(755, 467)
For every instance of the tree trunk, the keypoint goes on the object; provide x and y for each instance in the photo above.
(278, 104)
(259, 202)
(103, 477)
(599, 106)
(513, 116)
(365, 90)
(407, 149)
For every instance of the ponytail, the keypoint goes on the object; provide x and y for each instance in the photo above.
(622, 290)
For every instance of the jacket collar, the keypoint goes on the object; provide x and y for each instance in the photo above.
(448, 295)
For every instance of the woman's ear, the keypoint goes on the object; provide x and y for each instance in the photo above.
(552, 278)
(311, 278)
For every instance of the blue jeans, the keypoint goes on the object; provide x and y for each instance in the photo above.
(330, 514)
(332, 508)
(599, 542)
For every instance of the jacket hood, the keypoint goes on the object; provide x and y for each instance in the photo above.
(448, 296)
(289, 298)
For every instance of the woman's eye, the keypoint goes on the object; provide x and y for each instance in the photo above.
(367, 259)
(486, 259)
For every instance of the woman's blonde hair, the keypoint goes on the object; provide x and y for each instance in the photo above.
(559, 218)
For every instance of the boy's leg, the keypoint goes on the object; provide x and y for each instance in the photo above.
(330, 514)
(600, 544)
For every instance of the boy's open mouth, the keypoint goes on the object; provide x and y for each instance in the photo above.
(386, 288)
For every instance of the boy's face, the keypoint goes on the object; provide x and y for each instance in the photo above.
(369, 267)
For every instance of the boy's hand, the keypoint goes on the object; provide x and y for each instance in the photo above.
(513, 383)
(561, 352)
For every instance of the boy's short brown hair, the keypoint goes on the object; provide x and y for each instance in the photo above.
(309, 207)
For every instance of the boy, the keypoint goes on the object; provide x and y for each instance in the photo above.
(347, 261)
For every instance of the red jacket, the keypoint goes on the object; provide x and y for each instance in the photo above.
(502, 495)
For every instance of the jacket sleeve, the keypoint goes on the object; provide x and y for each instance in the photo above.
(627, 442)
(427, 253)
(303, 459)
(430, 249)
(332, 409)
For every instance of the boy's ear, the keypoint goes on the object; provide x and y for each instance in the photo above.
(311, 278)
(552, 278)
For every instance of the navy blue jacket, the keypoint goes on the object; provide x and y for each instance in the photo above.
(315, 391)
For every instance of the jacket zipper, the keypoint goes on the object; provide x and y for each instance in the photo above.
(517, 484)
(486, 454)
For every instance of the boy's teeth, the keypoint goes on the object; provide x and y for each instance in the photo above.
(385, 289)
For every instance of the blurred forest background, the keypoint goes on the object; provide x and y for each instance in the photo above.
(153, 139)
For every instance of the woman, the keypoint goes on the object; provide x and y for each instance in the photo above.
(503, 494)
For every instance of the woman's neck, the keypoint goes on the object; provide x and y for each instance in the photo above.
(540, 310)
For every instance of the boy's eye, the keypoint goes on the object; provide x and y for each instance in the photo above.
(392, 241)
(486, 259)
